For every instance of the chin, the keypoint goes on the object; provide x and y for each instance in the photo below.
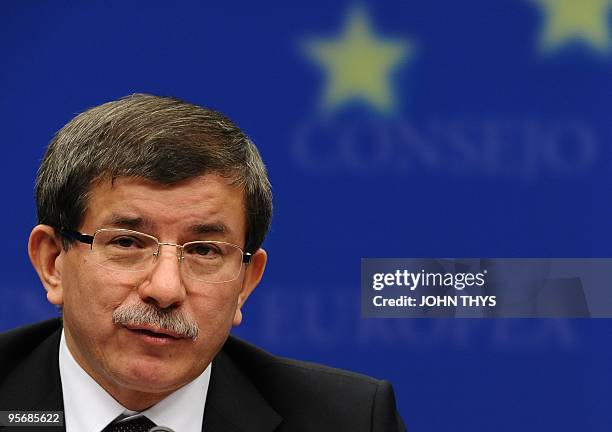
(153, 375)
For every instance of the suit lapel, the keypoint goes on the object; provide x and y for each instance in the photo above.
(34, 385)
(233, 403)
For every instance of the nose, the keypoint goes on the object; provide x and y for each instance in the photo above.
(164, 285)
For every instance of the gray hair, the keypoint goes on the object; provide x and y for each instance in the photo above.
(162, 139)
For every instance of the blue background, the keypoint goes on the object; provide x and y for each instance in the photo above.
(497, 147)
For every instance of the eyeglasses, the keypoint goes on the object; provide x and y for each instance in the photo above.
(132, 251)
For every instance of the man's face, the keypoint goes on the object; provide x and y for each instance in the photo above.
(121, 359)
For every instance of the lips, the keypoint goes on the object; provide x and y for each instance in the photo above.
(153, 331)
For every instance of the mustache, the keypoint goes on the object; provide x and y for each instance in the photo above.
(146, 314)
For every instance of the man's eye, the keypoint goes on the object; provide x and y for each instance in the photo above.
(203, 250)
(126, 242)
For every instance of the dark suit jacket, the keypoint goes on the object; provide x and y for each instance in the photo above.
(250, 390)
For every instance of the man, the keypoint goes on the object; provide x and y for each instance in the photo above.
(152, 212)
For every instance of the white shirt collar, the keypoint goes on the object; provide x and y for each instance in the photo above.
(88, 407)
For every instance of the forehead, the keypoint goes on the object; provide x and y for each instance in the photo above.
(176, 210)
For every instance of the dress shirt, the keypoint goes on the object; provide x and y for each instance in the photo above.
(88, 407)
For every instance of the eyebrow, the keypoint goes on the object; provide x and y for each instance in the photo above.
(210, 228)
(139, 223)
(134, 223)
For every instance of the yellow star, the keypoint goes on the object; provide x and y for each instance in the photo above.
(576, 20)
(358, 64)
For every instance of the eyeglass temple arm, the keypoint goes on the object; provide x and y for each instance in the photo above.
(75, 235)
(246, 257)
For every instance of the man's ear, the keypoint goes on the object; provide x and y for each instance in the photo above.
(253, 273)
(46, 254)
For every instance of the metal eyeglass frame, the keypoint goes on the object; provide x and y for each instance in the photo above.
(89, 239)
